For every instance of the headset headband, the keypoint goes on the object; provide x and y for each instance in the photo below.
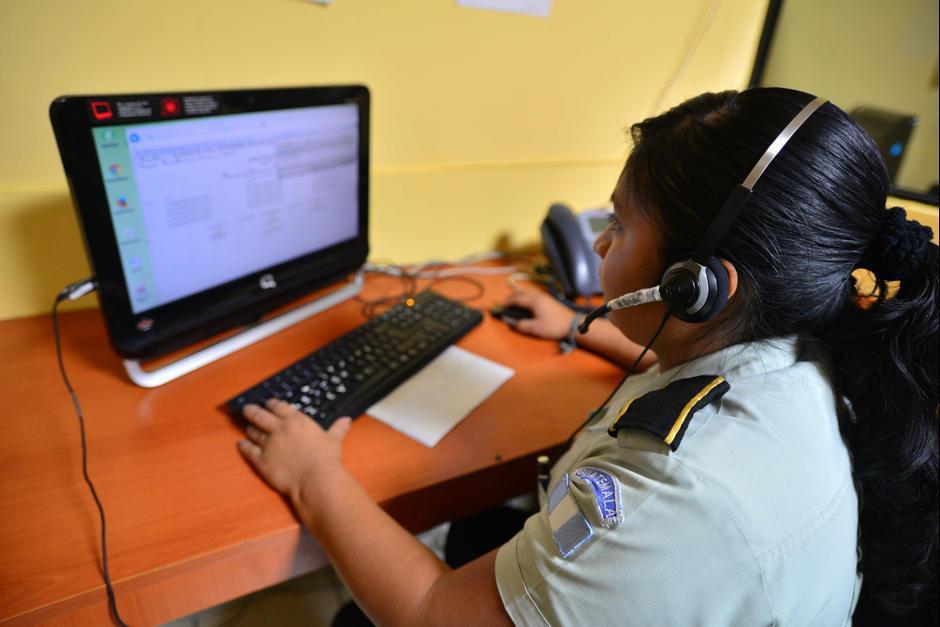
(692, 279)
(742, 192)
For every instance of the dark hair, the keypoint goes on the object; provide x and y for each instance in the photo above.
(807, 226)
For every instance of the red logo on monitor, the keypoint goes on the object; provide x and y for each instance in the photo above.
(101, 109)
(170, 106)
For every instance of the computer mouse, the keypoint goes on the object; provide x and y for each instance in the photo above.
(511, 313)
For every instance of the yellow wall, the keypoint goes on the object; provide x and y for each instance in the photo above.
(881, 54)
(480, 119)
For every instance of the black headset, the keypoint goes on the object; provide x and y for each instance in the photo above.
(696, 289)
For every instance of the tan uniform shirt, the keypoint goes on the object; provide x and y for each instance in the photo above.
(752, 521)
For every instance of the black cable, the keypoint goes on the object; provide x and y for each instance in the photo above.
(371, 307)
(409, 288)
(480, 288)
(603, 406)
(112, 602)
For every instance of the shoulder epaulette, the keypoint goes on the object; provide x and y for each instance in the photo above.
(666, 412)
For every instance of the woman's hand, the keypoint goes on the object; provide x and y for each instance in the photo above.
(394, 577)
(550, 319)
(289, 449)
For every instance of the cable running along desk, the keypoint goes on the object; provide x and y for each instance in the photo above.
(190, 524)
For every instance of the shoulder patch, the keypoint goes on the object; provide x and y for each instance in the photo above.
(570, 528)
(606, 491)
(666, 412)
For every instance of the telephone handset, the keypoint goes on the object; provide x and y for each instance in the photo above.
(568, 242)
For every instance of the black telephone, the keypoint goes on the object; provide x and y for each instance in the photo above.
(568, 242)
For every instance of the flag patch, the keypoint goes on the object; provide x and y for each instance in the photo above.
(570, 528)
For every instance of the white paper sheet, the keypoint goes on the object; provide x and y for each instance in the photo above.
(541, 8)
(433, 401)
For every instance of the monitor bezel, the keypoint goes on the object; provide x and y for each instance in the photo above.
(170, 326)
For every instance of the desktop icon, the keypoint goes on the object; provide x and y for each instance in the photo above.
(109, 135)
(101, 110)
(170, 106)
(134, 137)
(121, 202)
(115, 169)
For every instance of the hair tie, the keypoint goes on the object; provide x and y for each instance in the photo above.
(899, 248)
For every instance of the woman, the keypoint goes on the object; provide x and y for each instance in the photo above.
(828, 400)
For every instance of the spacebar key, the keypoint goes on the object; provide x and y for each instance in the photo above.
(367, 392)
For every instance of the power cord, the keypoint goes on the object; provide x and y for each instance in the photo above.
(376, 306)
(435, 270)
(74, 292)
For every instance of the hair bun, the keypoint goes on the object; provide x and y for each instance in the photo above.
(899, 248)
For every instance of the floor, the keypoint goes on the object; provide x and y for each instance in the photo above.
(310, 600)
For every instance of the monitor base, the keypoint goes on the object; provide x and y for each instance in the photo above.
(254, 333)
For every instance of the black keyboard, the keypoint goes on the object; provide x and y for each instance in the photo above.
(348, 375)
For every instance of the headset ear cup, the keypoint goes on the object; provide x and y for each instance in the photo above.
(715, 269)
(685, 283)
(712, 281)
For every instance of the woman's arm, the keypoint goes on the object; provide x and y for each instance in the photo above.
(552, 320)
(395, 579)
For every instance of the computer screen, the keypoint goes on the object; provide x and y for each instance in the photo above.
(201, 211)
(197, 203)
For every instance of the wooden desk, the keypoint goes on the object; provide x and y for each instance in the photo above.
(189, 523)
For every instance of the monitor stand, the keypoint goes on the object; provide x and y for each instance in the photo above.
(254, 333)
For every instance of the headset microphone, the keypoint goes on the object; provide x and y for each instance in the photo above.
(696, 289)
(677, 289)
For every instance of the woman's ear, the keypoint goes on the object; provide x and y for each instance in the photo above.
(732, 276)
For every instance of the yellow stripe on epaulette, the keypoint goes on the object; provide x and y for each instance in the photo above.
(619, 415)
(665, 413)
(680, 421)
